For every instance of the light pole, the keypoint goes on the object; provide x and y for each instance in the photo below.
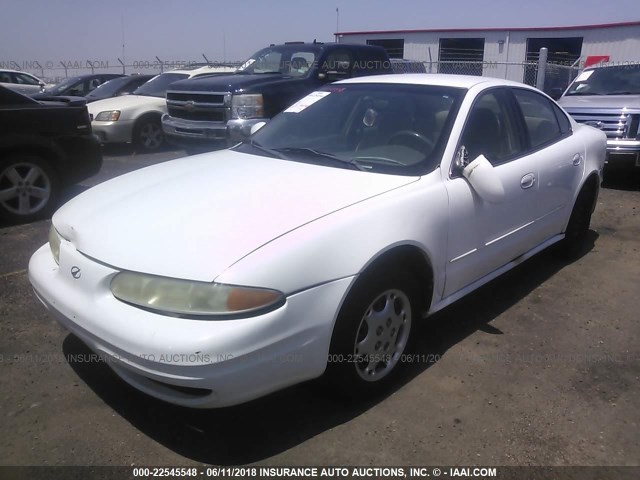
(337, 23)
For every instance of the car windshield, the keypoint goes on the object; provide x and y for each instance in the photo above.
(619, 80)
(294, 60)
(157, 86)
(62, 86)
(109, 88)
(381, 128)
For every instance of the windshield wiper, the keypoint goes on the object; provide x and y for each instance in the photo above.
(575, 94)
(324, 155)
(269, 151)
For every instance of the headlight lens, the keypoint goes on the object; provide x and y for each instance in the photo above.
(54, 244)
(250, 105)
(188, 298)
(108, 116)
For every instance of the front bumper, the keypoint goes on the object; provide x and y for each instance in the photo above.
(194, 132)
(193, 363)
(623, 152)
(120, 131)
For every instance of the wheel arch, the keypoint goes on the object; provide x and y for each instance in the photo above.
(408, 258)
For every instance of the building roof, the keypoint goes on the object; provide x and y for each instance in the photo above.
(496, 29)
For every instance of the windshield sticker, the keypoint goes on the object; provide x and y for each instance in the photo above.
(307, 101)
(247, 64)
(584, 76)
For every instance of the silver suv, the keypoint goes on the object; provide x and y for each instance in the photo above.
(608, 98)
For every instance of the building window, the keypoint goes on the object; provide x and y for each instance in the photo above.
(463, 56)
(394, 47)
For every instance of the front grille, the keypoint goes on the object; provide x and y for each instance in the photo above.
(209, 115)
(616, 124)
(207, 98)
(199, 106)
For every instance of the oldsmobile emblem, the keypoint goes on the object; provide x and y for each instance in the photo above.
(76, 272)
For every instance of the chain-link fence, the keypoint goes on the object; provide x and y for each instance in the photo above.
(556, 77)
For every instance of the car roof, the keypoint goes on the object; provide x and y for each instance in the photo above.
(8, 70)
(436, 79)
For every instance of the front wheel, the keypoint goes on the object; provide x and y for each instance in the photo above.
(148, 134)
(372, 332)
(28, 188)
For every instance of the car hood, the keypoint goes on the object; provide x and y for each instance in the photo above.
(125, 102)
(194, 217)
(232, 83)
(600, 101)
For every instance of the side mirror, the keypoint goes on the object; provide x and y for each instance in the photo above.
(257, 127)
(484, 180)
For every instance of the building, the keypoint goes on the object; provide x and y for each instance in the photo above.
(507, 52)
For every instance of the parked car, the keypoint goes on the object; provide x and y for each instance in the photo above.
(22, 82)
(208, 113)
(79, 86)
(135, 118)
(317, 245)
(118, 87)
(44, 146)
(608, 98)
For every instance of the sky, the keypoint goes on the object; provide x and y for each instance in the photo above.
(51, 31)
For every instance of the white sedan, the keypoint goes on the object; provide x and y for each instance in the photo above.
(316, 246)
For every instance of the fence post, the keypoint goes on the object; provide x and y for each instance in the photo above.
(41, 69)
(542, 68)
(121, 63)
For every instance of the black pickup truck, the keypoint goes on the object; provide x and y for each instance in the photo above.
(212, 112)
(45, 145)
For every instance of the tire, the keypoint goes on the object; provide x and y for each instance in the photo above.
(579, 222)
(372, 332)
(148, 134)
(29, 188)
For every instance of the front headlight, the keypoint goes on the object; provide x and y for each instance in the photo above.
(108, 116)
(54, 244)
(250, 105)
(188, 298)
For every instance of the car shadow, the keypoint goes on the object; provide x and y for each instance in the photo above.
(621, 179)
(268, 426)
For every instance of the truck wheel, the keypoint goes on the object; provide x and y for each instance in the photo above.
(28, 188)
(372, 332)
(148, 134)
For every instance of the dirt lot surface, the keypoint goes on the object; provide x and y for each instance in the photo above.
(541, 367)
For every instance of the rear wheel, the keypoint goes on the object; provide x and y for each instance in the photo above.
(372, 332)
(579, 222)
(148, 134)
(28, 188)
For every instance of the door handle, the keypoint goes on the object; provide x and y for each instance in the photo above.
(577, 159)
(528, 180)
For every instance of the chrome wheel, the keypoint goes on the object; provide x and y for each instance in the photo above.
(150, 136)
(25, 189)
(382, 335)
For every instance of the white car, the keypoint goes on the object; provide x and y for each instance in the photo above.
(135, 118)
(317, 246)
(22, 82)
